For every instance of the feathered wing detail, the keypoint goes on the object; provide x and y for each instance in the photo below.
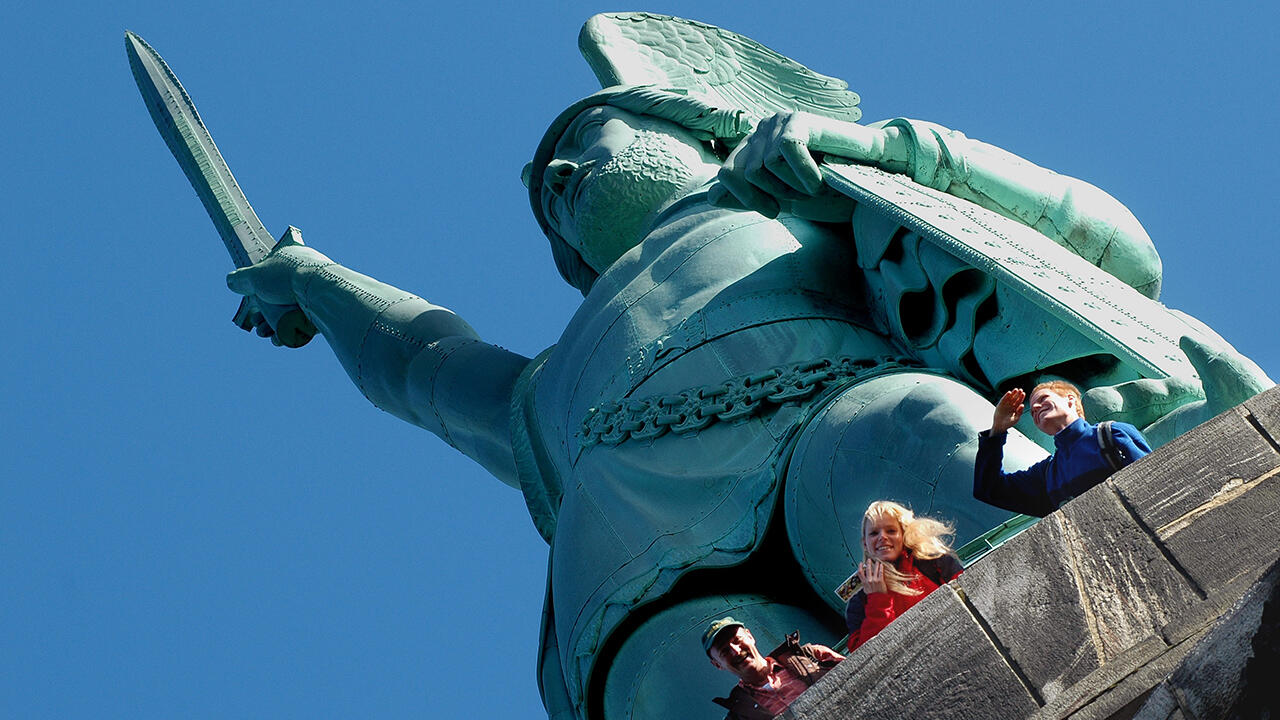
(719, 66)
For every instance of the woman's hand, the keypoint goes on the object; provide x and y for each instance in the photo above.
(872, 573)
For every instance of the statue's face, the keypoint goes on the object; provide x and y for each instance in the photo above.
(612, 172)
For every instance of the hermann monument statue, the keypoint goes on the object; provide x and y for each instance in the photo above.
(785, 315)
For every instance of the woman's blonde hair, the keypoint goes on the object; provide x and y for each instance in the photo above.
(923, 536)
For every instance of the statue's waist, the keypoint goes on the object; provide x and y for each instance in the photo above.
(644, 417)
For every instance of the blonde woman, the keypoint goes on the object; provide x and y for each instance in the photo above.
(904, 558)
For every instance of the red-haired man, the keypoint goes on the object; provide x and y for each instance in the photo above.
(1084, 454)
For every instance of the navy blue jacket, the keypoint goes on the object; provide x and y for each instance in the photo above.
(1076, 465)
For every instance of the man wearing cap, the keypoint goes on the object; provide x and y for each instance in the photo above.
(766, 684)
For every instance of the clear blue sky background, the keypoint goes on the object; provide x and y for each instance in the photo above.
(194, 523)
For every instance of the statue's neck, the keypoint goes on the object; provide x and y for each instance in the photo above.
(694, 195)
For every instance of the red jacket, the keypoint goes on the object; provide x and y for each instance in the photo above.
(866, 615)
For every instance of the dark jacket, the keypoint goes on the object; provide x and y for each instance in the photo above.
(1076, 465)
(797, 658)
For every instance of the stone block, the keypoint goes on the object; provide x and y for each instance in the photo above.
(1191, 469)
(1160, 705)
(1265, 409)
(934, 662)
(1024, 589)
(1216, 680)
(1080, 589)
(1219, 602)
(1128, 588)
(1119, 688)
(1212, 498)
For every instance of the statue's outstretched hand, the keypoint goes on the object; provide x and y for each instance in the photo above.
(274, 283)
(776, 167)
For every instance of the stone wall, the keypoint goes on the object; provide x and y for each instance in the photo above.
(1087, 613)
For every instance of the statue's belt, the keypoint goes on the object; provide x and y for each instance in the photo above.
(737, 398)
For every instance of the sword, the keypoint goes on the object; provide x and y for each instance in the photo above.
(242, 232)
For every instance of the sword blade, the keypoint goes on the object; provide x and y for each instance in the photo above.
(180, 125)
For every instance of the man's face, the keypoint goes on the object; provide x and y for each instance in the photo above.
(1052, 411)
(735, 650)
(883, 539)
(612, 172)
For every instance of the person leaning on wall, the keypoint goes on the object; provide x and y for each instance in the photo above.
(905, 557)
(767, 684)
(1084, 454)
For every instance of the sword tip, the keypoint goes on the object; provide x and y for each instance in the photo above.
(134, 43)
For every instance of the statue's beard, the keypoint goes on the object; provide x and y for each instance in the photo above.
(618, 199)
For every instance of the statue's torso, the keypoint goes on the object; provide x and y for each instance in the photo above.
(712, 295)
(709, 295)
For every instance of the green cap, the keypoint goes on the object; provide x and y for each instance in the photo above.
(709, 637)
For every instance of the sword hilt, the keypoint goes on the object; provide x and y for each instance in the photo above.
(291, 325)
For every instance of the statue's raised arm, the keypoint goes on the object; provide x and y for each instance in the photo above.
(413, 359)
(418, 361)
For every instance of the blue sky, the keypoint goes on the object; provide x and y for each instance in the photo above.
(194, 523)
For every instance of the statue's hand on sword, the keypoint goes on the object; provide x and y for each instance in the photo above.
(274, 283)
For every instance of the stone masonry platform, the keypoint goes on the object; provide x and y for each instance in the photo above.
(1148, 596)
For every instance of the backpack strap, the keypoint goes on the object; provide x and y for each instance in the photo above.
(1107, 446)
(796, 658)
(800, 659)
(823, 665)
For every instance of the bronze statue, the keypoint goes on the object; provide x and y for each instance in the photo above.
(785, 315)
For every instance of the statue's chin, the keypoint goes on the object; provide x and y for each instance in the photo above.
(618, 199)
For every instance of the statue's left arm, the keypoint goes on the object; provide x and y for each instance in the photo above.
(777, 163)
(418, 361)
